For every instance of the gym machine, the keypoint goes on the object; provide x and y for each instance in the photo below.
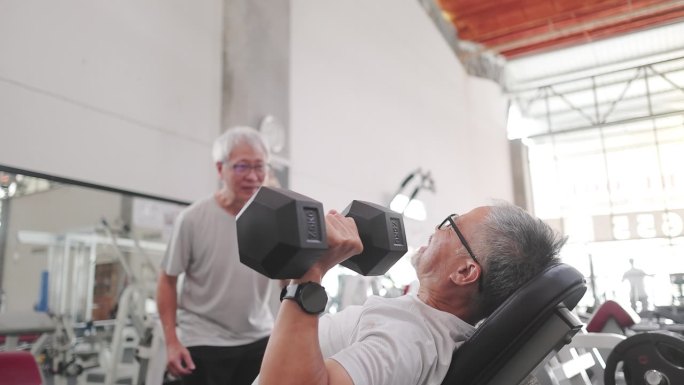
(611, 351)
(95, 352)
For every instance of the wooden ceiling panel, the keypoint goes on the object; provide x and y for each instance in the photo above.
(522, 27)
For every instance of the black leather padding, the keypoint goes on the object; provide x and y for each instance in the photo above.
(506, 330)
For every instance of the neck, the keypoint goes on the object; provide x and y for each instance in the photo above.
(226, 201)
(458, 303)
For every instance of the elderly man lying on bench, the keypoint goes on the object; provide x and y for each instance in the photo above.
(469, 269)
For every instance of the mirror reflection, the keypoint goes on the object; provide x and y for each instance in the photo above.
(73, 249)
(78, 268)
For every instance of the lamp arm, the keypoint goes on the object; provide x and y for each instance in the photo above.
(414, 193)
(427, 182)
(408, 178)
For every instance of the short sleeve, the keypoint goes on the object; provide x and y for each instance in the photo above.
(388, 355)
(179, 250)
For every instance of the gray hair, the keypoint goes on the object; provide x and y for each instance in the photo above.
(224, 144)
(516, 246)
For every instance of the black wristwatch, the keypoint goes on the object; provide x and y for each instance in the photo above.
(310, 296)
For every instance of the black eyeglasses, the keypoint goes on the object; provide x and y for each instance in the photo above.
(450, 221)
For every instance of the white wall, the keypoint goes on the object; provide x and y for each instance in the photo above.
(376, 93)
(124, 94)
(128, 94)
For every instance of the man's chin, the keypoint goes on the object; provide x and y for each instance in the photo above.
(416, 256)
(247, 193)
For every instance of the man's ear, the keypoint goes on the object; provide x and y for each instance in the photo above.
(466, 273)
(219, 167)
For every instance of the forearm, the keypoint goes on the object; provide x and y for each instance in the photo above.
(166, 306)
(293, 355)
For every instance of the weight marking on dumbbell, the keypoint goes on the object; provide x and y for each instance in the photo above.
(313, 226)
(397, 232)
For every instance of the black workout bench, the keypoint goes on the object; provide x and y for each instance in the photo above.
(531, 325)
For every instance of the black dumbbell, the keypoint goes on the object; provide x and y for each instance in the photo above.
(282, 233)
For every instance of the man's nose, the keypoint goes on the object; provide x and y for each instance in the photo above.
(252, 174)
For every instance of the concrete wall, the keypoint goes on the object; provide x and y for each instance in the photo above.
(374, 96)
(256, 62)
(124, 94)
(130, 94)
(136, 107)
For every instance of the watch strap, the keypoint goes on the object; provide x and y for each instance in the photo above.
(310, 296)
(288, 292)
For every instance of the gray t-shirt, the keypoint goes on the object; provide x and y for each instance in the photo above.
(222, 302)
(393, 341)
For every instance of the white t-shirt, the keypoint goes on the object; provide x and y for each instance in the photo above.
(222, 302)
(393, 341)
(636, 280)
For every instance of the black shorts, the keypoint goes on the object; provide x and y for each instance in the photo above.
(226, 365)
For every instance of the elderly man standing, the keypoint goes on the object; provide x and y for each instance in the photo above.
(223, 310)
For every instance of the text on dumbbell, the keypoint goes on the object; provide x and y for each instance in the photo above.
(313, 226)
(397, 232)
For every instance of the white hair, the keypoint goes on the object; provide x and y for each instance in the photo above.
(224, 144)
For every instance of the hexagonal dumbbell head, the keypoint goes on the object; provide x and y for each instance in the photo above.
(281, 233)
(383, 236)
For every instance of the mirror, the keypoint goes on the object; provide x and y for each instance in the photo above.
(72, 248)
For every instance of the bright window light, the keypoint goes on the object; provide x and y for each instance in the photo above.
(519, 126)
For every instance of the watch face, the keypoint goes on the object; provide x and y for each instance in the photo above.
(313, 298)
